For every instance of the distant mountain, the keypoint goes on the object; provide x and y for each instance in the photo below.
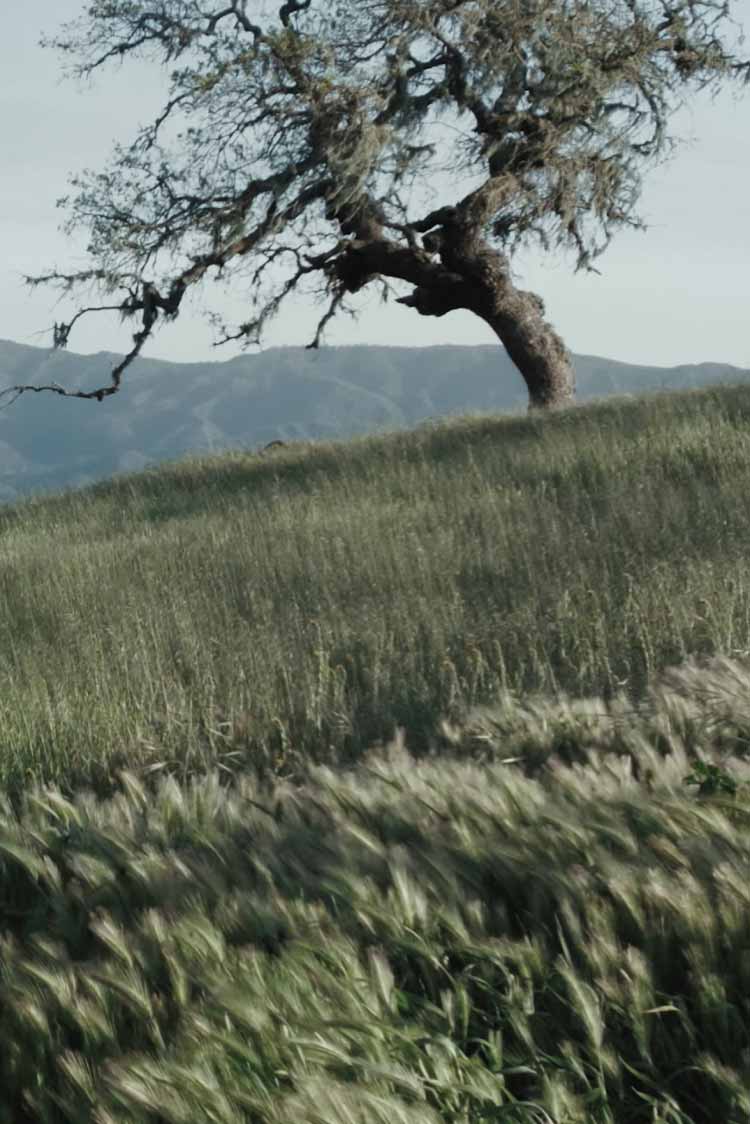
(168, 410)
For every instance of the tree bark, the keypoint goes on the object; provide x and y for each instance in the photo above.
(469, 274)
(515, 315)
(517, 318)
(534, 346)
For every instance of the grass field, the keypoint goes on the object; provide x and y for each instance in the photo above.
(405, 831)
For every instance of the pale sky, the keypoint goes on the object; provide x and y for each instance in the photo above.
(679, 293)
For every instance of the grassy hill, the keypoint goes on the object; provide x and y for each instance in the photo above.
(170, 410)
(434, 805)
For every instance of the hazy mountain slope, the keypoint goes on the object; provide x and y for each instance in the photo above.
(166, 410)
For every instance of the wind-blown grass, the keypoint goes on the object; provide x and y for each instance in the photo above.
(412, 942)
(538, 915)
(241, 610)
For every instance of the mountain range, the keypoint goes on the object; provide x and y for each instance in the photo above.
(168, 410)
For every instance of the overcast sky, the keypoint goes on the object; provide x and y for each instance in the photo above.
(680, 293)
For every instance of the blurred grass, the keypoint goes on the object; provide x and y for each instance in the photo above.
(530, 907)
(406, 942)
(295, 608)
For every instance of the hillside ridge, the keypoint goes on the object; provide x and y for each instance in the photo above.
(168, 410)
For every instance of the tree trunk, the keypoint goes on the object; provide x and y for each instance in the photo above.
(515, 315)
(534, 346)
(469, 274)
(517, 319)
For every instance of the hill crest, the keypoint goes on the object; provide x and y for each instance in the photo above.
(168, 410)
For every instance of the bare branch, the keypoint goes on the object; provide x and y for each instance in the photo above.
(291, 8)
(337, 301)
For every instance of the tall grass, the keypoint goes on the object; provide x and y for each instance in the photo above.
(280, 611)
(408, 942)
(536, 915)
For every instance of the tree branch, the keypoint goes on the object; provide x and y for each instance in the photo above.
(291, 8)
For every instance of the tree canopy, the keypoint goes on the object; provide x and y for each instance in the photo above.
(299, 144)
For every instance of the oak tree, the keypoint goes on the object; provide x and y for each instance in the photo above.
(300, 139)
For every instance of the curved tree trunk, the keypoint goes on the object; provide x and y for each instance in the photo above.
(516, 316)
(472, 275)
(534, 346)
(517, 319)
